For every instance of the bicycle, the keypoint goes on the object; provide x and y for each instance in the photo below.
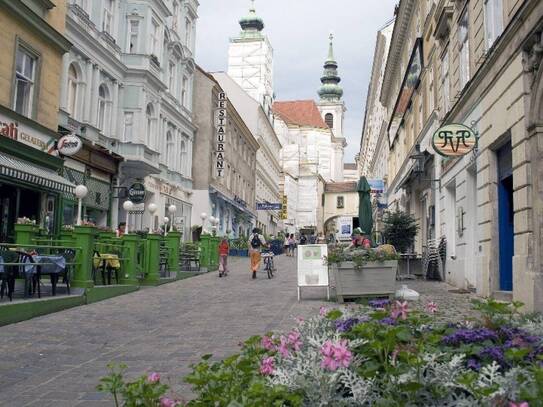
(268, 263)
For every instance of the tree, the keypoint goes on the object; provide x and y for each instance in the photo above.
(400, 230)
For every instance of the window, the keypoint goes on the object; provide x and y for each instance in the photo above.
(493, 21)
(25, 77)
(72, 90)
(103, 107)
(175, 22)
(329, 119)
(188, 33)
(107, 23)
(463, 48)
(155, 38)
(445, 82)
(184, 163)
(340, 202)
(128, 126)
(170, 150)
(149, 130)
(171, 81)
(184, 91)
(83, 4)
(133, 36)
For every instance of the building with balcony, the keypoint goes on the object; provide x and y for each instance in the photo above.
(32, 185)
(127, 90)
(224, 171)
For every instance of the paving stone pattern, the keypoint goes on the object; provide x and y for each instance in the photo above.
(56, 360)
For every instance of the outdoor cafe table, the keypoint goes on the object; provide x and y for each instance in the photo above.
(52, 265)
(107, 261)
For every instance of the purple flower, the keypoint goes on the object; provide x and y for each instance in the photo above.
(283, 347)
(493, 353)
(344, 325)
(474, 364)
(267, 366)
(294, 340)
(167, 402)
(465, 335)
(388, 321)
(336, 355)
(379, 304)
(267, 343)
(153, 377)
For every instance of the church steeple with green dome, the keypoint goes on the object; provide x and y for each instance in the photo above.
(330, 89)
(251, 23)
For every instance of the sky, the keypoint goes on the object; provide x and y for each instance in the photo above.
(298, 31)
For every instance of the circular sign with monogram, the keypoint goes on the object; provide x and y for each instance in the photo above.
(454, 140)
(136, 192)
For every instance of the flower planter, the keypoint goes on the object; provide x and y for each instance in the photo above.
(372, 280)
(244, 252)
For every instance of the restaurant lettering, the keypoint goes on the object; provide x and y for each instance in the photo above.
(27, 135)
(454, 140)
(221, 133)
(9, 130)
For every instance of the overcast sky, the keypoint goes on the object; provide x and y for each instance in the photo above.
(298, 31)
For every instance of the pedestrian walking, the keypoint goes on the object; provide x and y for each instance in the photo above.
(303, 240)
(285, 245)
(291, 245)
(223, 257)
(256, 242)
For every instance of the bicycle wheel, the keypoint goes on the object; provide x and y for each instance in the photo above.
(269, 270)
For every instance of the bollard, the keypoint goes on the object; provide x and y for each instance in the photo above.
(173, 243)
(83, 237)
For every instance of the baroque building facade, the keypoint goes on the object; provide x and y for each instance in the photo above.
(127, 89)
(477, 64)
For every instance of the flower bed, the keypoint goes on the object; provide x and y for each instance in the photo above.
(383, 354)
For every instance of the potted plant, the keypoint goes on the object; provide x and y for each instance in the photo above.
(400, 230)
(363, 272)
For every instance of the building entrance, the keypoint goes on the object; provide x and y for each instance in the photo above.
(505, 217)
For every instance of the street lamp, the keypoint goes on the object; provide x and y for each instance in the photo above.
(419, 164)
(152, 208)
(171, 210)
(81, 192)
(214, 222)
(128, 206)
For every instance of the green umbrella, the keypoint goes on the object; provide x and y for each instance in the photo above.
(365, 219)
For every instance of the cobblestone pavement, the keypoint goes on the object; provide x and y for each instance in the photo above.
(56, 360)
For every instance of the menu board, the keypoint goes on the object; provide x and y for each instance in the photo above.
(312, 267)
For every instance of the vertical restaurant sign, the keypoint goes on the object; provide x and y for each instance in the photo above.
(221, 133)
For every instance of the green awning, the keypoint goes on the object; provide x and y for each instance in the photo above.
(27, 172)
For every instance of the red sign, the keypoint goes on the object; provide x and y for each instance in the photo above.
(9, 130)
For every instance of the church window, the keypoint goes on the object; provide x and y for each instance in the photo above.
(329, 119)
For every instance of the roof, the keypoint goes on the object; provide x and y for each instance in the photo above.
(350, 166)
(335, 187)
(300, 112)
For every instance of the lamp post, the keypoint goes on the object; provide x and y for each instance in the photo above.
(171, 210)
(128, 206)
(214, 222)
(152, 208)
(166, 220)
(203, 216)
(81, 192)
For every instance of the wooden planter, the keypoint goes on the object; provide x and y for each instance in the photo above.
(372, 280)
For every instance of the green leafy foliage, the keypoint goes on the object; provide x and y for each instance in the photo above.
(400, 230)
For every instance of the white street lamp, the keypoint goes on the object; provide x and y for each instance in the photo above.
(128, 206)
(81, 192)
(152, 208)
(171, 210)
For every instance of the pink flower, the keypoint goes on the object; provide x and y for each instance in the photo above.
(400, 310)
(167, 402)
(300, 320)
(294, 340)
(267, 343)
(336, 355)
(323, 311)
(522, 404)
(283, 347)
(153, 377)
(267, 366)
(431, 307)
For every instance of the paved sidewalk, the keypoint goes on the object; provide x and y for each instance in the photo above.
(56, 360)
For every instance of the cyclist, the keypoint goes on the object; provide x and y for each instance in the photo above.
(256, 242)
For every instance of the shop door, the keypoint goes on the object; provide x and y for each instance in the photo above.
(506, 214)
(8, 199)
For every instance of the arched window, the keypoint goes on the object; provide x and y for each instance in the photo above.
(104, 101)
(73, 83)
(170, 150)
(149, 130)
(329, 119)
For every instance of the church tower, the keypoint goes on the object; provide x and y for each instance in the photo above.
(332, 110)
(331, 106)
(250, 60)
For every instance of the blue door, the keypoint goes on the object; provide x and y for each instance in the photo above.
(505, 217)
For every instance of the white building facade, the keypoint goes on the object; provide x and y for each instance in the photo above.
(128, 88)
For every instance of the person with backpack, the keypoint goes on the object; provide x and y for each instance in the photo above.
(256, 242)
(303, 240)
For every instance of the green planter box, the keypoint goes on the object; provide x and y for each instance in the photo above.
(25, 233)
(372, 280)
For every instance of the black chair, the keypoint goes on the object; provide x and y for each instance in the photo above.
(7, 276)
(69, 257)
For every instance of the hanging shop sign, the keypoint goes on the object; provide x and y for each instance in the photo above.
(454, 140)
(221, 133)
(69, 145)
(283, 213)
(377, 186)
(136, 192)
(267, 206)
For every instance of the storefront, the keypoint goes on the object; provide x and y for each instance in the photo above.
(31, 184)
(235, 218)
